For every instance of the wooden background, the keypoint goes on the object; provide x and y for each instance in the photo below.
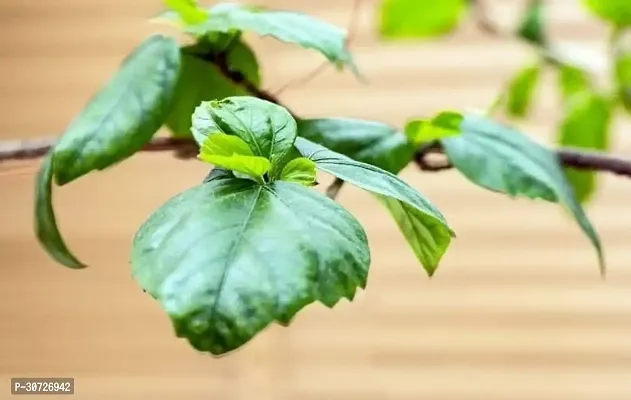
(516, 312)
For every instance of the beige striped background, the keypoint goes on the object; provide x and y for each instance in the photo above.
(516, 312)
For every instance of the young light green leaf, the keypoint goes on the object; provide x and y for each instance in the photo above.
(423, 226)
(370, 142)
(572, 81)
(45, 222)
(286, 26)
(124, 115)
(188, 10)
(402, 19)
(444, 124)
(266, 127)
(300, 170)
(227, 258)
(622, 70)
(520, 91)
(501, 159)
(585, 125)
(200, 80)
(233, 153)
(617, 12)
(531, 27)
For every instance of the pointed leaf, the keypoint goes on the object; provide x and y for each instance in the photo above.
(501, 159)
(531, 27)
(585, 125)
(266, 127)
(233, 153)
(618, 12)
(201, 80)
(286, 26)
(188, 10)
(299, 170)
(442, 125)
(227, 258)
(46, 229)
(423, 225)
(419, 18)
(124, 115)
(370, 142)
(623, 78)
(520, 91)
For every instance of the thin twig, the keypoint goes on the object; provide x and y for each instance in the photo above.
(334, 188)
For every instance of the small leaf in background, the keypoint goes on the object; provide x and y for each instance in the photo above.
(617, 12)
(200, 80)
(623, 78)
(499, 158)
(45, 222)
(531, 27)
(123, 116)
(267, 128)
(286, 26)
(233, 153)
(572, 81)
(404, 19)
(585, 125)
(424, 227)
(446, 123)
(520, 91)
(229, 257)
(299, 170)
(188, 10)
(370, 142)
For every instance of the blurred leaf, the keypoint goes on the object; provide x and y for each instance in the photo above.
(123, 116)
(444, 124)
(46, 229)
(501, 159)
(371, 142)
(201, 80)
(227, 258)
(617, 12)
(188, 10)
(572, 81)
(623, 78)
(521, 90)
(300, 170)
(402, 19)
(423, 226)
(531, 27)
(585, 125)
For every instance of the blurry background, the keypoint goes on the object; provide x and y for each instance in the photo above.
(517, 310)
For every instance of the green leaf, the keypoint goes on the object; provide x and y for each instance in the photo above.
(442, 125)
(123, 116)
(201, 80)
(531, 27)
(572, 81)
(233, 153)
(402, 19)
(286, 26)
(423, 226)
(520, 91)
(617, 12)
(585, 125)
(45, 222)
(300, 170)
(188, 10)
(266, 127)
(370, 142)
(623, 78)
(501, 159)
(227, 258)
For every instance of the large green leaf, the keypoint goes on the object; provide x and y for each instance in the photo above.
(521, 90)
(124, 115)
(45, 222)
(267, 128)
(499, 158)
(200, 80)
(623, 78)
(585, 125)
(618, 12)
(419, 18)
(423, 226)
(227, 258)
(286, 26)
(370, 142)
(531, 27)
